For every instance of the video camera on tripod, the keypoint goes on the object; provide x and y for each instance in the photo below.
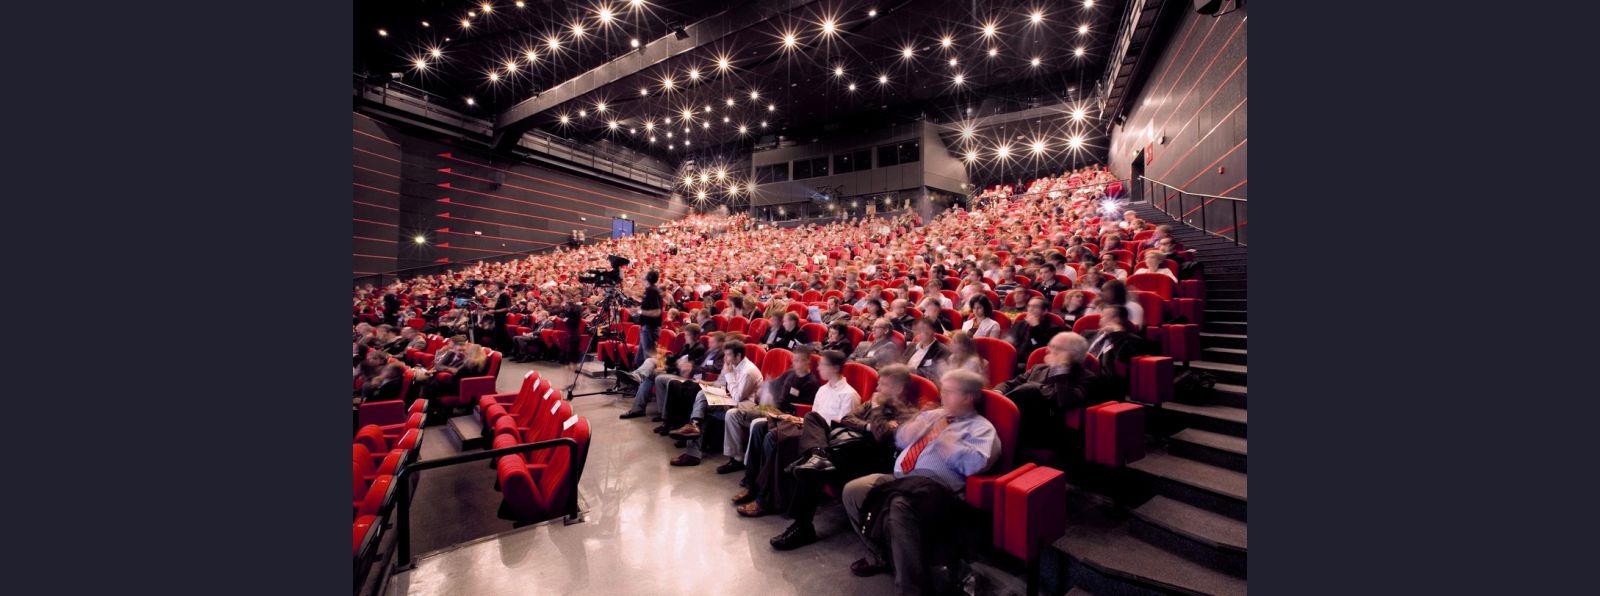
(602, 277)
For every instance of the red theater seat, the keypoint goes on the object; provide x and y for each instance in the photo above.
(1007, 420)
(1001, 356)
(541, 492)
(758, 329)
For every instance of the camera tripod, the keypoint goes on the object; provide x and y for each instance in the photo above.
(609, 315)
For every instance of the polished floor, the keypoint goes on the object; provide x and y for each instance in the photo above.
(649, 528)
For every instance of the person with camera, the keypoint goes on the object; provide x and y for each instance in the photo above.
(499, 338)
(649, 317)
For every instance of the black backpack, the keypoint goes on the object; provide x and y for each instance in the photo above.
(1194, 387)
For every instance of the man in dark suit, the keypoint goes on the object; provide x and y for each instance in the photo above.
(1046, 392)
(647, 372)
(899, 315)
(1032, 331)
(925, 355)
(709, 362)
(1047, 283)
(389, 340)
(878, 349)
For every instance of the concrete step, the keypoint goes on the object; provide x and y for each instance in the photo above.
(1227, 304)
(1216, 314)
(1226, 355)
(1201, 536)
(1215, 418)
(1103, 556)
(1230, 327)
(1236, 374)
(1213, 284)
(1221, 294)
(467, 432)
(1217, 449)
(1228, 394)
(1213, 488)
(1224, 340)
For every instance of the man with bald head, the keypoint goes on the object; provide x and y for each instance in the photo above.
(1046, 392)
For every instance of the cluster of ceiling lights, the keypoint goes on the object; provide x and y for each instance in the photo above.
(660, 130)
(1035, 146)
(705, 183)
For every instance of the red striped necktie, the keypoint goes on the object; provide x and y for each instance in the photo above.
(909, 462)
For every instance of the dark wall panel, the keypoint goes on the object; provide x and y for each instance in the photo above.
(1196, 100)
(468, 205)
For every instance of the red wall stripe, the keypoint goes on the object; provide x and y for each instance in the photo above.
(470, 235)
(396, 176)
(452, 157)
(1202, 139)
(1192, 55)
(1202, 74)
(1234, 187)
(1185, 185)
(375, 154)
(580, 223)
(374, 222)
(374, 205)
(372, 256)
(366, 134)
(375, 188)
(374, 239)
(452, 172)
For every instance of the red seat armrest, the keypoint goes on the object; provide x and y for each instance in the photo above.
(473, 388)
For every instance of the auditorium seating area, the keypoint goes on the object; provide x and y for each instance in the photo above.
(720, 263)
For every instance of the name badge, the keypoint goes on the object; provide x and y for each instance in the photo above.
(794, 391)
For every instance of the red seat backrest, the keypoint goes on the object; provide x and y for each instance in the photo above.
(1007, 421)
(798, 308)
(1085, 324)
(921, 391)
(810, 296)
(814, 332)
(1154, 306)
(861, 377)
(775, 363)
(1154, 283)
(737, 325)
(757, 330)
(1001, 355)
(856, 335)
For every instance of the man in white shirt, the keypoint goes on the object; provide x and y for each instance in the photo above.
(739, 377)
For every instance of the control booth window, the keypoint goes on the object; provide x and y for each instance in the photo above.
(854, 161)
(899, 153)
(810, 168)
(773, 173)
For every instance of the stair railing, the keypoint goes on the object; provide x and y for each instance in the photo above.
(1181, 205)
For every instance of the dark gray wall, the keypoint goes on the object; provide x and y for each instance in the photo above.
(935, 168)
(469, 205)
(1196, 100)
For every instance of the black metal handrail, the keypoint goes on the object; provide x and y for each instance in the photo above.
(403, 503)
(1169, 192)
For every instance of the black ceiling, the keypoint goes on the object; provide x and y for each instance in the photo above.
(799, 93)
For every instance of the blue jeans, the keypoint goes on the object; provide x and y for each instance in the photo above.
(647, 343)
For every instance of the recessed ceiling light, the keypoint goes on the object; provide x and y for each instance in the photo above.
(1083, 29)
(994, 52)
(872, 12)
(466, 24)
(435, 52)
(828, 27)
(1078, 52)
(634, 42)
(425, 24)
(852, 87)
(883, 79)
(471, 102)
(907, 52)
(383, 33)
(989, 29)
(605, 15)
(1035, 61)
(946, 41)
(1037, 17)
(487, 7)
(577, 29)
(838, 71)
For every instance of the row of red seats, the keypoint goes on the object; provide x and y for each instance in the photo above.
(541, 484)
(390, 437)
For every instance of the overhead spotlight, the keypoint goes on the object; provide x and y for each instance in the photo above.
(1088, 3)
(577, 29)
(1003, 152)
(426, 25)
(989, 29)
(666, 83)
(612, 125)
(1036, 18)
(838, 71)
(1075, 142)
(1035, 62)
(883, 79)
(789, 40)
(726, 120)
(772, 107)
(1038, 147)
(851, 87)
(704, 177)
(553, 41)
(723, 64)
(383, 32)
(751, 187)
(829, 27)
(971, 156)
(494, 76)
(644, 91)
(763, 124)
(733, 189)
(755, 95)
(600, 107)
(521, 4)
(636, 3)
(743, 129)
(994, 52)
(966, 133)
(633, 42)
(688, 114)
(694, 74)
(565, 119)
(722, 175)
(959, 79)
(487, 7)
(1083, 29)
(1078, 52)
(907, 52)
(605, 15)
(700, 195)
(471, 102)
(946, 41)
(707, 108)
(872, 13)
(435, 52)
(532, 56)
(583, 113)
(954, 61)
(688, 180)
(706, 125)
(511, 66)
(420, 64)
(466, 24)
(420, 239)
(1077, 115)
(649, 126)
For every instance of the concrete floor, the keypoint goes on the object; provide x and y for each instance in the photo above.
(649, 528)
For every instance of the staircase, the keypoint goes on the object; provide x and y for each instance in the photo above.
(1183, 529)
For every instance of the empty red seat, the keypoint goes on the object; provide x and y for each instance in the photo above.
(1114, 434)
(758, 329)
(813, 332)
(545, 491)
(737, 325)
(1086, 324)
(775, 363)
(1001, 356)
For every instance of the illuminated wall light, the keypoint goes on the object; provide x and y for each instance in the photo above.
(872, 13)
(426, 25)
(471, 102)
(633, 42)
(420, 239)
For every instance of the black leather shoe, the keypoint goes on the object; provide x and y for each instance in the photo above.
(656, 418)
(660, 430)
(631, 414)
(732, 466)
(866, 568)
(817, 464)
(795, 537)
